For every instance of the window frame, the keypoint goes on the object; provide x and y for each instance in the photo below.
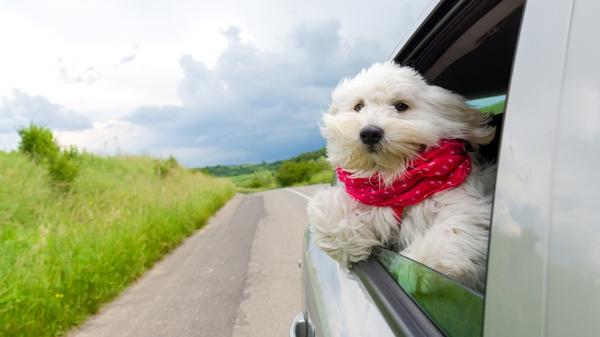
(402, 314)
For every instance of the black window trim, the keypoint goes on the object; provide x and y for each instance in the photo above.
(448, 20)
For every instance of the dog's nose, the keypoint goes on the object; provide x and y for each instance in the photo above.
(371, 135)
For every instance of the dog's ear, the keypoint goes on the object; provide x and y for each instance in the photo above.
(480, 131)
(472, 125)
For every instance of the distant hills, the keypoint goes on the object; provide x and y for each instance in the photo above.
(241, 169)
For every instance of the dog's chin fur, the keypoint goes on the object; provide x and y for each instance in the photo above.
(448, 231)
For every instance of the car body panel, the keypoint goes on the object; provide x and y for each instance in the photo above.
(517, 280)
(573, 289)
(336, 302)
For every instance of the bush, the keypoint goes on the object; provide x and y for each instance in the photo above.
(38, 142)
(256, 181)
(322, 177)
(259, 179)
(165, 167)
(64, 168)
(291, 172)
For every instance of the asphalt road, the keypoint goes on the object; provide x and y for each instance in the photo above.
(238, 276)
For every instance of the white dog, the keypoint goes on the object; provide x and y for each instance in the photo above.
(387, 132)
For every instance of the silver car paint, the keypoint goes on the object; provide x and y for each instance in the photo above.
(544, 268)
(337, 303)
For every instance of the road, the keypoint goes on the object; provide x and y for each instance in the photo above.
(238, 276)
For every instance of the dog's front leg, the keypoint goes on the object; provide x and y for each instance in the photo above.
(456, 250)
(340, 227)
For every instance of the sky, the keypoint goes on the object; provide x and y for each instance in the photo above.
(208, 82)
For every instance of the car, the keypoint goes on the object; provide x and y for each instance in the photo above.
(533, 64)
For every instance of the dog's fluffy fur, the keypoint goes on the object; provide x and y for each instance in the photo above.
(447, 232)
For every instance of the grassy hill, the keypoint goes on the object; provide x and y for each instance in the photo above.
(305, 168)
(66, 251)
(236, 170)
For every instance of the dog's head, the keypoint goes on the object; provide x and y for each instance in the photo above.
(380, 119)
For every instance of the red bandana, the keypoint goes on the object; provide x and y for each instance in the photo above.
(439, 168)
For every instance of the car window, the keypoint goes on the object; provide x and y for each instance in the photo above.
(480, 71)
(492, 105)
(455, 309)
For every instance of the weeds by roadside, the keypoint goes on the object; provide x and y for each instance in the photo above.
(39, 144)
(66, 252)
(165, 167)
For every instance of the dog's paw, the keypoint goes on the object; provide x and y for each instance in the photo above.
(346, 245)
(337, 228)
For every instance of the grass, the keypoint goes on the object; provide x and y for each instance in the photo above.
(266, 180)
(246, 169)
(255, 182)
(304, 169)
(65, 253)
(494, 109)
(321, 177)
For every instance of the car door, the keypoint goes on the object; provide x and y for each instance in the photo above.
(543, 273)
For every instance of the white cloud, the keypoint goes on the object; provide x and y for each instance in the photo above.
(174, 80)
(111, 137)
(23, 108)
(259, 104)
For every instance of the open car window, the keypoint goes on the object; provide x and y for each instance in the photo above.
(455, 310)
(493, 105)
(476, 62)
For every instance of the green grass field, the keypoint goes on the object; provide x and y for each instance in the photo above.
(266, 180)
(65, 253)
(304, 169)
(254, 182)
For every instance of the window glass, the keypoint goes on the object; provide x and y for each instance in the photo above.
(478, 66)
(493, 104)
(455, 309)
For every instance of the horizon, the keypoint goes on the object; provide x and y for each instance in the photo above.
(162, 156)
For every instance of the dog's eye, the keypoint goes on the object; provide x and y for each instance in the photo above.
(401, 106)
(358, 106)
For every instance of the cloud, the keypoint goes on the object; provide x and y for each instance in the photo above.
(232, 33)
(113, 137)
(258, 104)
(74, 72)
(127, 59)
(23, 108)
(88, 71)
